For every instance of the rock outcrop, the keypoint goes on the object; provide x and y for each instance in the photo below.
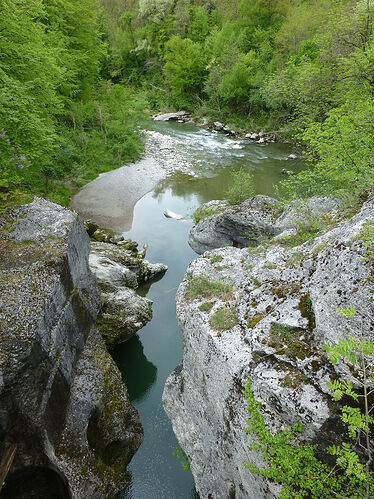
(179, 115)
(62, 402)
(267, 317)
(119, 268)
(252, 222)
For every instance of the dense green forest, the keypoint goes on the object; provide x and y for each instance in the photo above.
(76, 77)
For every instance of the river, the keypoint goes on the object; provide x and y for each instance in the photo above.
(183, 167)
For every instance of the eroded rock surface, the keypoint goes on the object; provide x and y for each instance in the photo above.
(252, 222)
(120, 268)
(62, 401)
(285, 301)
(179, 115)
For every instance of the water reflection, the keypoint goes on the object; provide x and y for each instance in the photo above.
(137, 372)
(216, 184)
(143, 290)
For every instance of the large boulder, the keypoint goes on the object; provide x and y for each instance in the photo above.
(249, 223)
(179, 115)
(59, 388)
(131, 260)
(119, 268)
(281, 308)
(123, 313)
(253, 222)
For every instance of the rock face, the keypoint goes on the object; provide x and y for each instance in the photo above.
(283, 300)
(179, 115)
(252, 222)
(119, 268)
(62, 401)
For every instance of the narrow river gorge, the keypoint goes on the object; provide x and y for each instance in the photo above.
(183, 167)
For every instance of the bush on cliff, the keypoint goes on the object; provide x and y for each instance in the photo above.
(295, 465)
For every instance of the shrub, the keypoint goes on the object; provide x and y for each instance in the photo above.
(294, 464)
(308, 226)
(241, 188)
(11, 165)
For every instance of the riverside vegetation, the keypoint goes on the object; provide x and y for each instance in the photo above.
(76, 77)
(296, 466)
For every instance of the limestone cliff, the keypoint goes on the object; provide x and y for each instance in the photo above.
(62, 401)
(265, 313)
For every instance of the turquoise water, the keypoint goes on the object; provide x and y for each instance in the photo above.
(149, 357)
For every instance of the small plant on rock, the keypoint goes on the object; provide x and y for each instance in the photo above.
(241, 188)
(181, 455)
(206, 306)
(223, 319)
(205, 288)
(204, 212)
(367, 238)
(216, 259)
(308, 226)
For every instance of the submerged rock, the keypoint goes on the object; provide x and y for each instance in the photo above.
(171, 214)
(284, 301)
(62, 401)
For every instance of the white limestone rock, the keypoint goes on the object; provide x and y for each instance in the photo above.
(286, 302)
(54, 369)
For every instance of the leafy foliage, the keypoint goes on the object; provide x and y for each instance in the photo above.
(185, 64)
(302, 68)
(53, 107)
(10, 166)
(181, 455)
(241, 188)
(294, 464)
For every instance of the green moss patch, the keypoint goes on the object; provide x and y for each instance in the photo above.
(286, 340)
(306, 310)
(223, 319)
(203, 287)
(206, 307)
(255, 320)
(205, 211)
(216, 259)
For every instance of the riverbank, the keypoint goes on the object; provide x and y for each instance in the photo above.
(109, 200)
(175, 153)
